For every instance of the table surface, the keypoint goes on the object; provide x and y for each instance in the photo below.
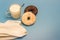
(47, 26)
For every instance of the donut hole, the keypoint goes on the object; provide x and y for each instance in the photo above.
(31, 10)
(28, 18)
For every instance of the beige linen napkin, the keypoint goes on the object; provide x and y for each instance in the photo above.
(11, 29)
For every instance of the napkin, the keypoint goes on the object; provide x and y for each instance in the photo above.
(11, 29)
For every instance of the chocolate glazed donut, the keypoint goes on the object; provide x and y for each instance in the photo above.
(32, 9)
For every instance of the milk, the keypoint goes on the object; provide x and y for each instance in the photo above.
(15, 10)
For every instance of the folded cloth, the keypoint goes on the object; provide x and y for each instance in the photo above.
(13, 29)
(8, 38)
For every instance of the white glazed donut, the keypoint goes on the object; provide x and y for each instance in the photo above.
(28, 18)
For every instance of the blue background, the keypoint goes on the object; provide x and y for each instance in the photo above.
(47, 26)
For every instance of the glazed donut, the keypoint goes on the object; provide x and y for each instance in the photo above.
(28, 18)
(32, 9)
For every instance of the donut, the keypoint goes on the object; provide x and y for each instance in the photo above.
(28, 18)
(32, 9)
